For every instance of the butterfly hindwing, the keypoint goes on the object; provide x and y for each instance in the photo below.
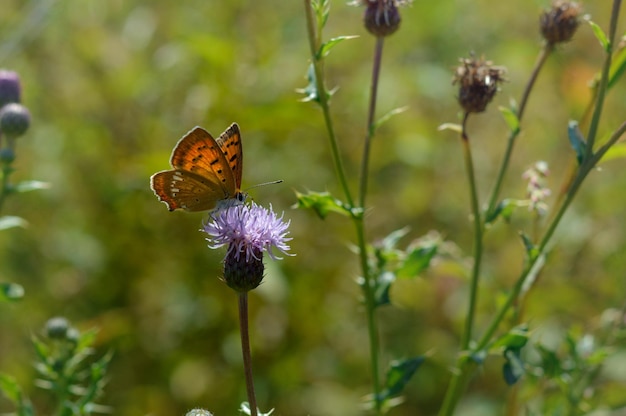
(181, 189)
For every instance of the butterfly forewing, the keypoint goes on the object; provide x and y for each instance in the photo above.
(199, 153)
(230, 143)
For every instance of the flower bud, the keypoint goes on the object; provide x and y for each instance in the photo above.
(243, 274)
(560, 22)
(57, 327)
(7, 155)
(381, 17)
(478, 83)
(14, 119)
(10, 89)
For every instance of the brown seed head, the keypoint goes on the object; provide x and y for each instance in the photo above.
(478, 83)
(559, 23)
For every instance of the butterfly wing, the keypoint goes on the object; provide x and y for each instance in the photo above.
(181, 189)
(201, 176)
(230, 143)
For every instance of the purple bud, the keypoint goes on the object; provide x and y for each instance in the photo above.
(10, 89)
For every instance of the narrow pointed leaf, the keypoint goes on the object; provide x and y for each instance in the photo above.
(399, 375)
(451, 126)
(11, 221)
(383, 285)
(328, 45)
(510, 118)
(388, 115)
(618, 67)
(417, 261)
(577, 140)
(27, 186)
(600, 35)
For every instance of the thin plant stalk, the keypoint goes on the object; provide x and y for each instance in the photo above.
(314, 35)
(478, 238)
(368, 285)
(541, 59)
(378, 54)
(245, 348)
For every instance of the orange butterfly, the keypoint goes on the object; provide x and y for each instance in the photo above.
(206, 173)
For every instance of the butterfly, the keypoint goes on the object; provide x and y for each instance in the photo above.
(205, 174)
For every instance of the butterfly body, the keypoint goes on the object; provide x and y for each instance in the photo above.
(206, 173)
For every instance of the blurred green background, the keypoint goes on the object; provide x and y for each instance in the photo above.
(112, 85)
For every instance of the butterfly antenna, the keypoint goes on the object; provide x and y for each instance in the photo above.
(263, 184)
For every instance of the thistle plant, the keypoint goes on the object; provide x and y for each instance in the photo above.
(14, 122)
(66, 369)
(478, 81)
(249, 231)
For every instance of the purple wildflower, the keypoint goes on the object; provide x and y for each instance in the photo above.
(248, 230)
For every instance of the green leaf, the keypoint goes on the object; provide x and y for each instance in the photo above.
(383, 285)
(417, 261)
(11, 221)
(618, 67)
(516, 338)
(322, 203)
(550, 363)
(391, 240)
(245, 409)
(328, 45)
(451, 126)
(600, 35)
(11, 292)
(322, 11)
(577, 140)
(510, 118)
(27, 186)
(399, 375)
(513, 368)
(310, 91)
(10, 388)
(617, 151)
(505, 209)
(531, 249)
(388, 115)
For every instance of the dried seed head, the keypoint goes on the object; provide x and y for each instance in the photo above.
(478, 83)
(559, 23)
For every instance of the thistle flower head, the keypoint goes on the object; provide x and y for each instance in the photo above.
(559, 23)
(381, 17)
(478, 83)
(249, 231)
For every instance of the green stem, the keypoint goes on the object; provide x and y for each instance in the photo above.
(604, 80)
(245, 348)
(478, 239)
(378, 53)
(368, 283)
(370, 306)
(541, 59)
(323, 97)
